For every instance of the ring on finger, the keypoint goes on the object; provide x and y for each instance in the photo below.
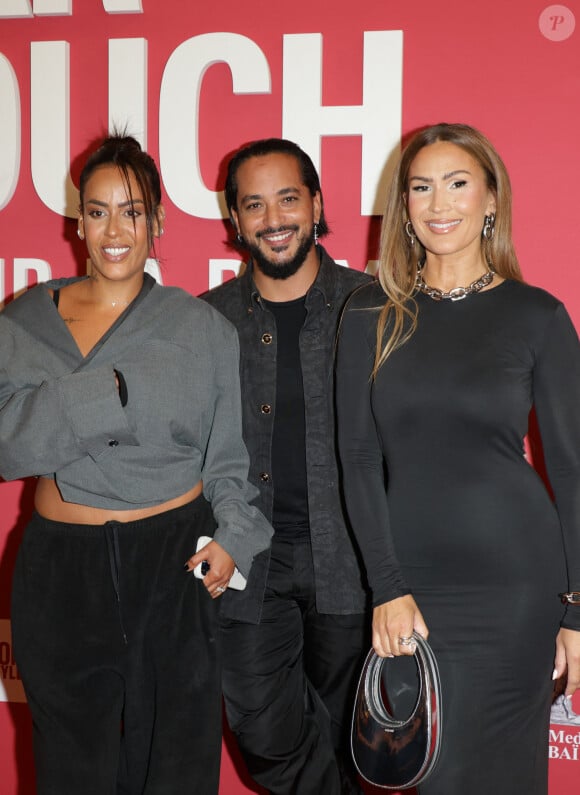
(220, 589)
(407, 641)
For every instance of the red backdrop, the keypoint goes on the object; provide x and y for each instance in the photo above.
(194, 81)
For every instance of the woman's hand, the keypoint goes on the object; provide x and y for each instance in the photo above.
(568, 657)
(221, 567)
(396, 620)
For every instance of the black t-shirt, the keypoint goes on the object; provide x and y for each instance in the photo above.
(290, 510)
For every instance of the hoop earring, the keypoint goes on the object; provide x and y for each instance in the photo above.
(488, 230)
(315, 234)
(410, 232)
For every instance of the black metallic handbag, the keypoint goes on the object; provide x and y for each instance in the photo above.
(394, 753)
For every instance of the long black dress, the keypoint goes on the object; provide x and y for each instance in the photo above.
(445, 505)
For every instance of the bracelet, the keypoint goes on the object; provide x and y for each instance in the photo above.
(570, 598)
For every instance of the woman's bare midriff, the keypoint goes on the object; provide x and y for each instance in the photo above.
(49, 503)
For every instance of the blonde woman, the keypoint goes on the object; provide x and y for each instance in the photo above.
(439, 365)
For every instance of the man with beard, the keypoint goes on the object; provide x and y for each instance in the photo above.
(295, 639)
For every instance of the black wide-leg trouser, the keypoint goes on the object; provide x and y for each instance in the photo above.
(117, 646)
(289, 682)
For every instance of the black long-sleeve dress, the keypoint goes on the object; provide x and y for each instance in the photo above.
(445, 505)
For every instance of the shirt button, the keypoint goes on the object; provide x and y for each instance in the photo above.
(113, 443)
(267, 338)
(264, 477)
(265, 408)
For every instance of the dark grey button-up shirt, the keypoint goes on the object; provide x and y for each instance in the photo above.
(339, 587)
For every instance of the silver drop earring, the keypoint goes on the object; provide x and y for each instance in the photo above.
(410, 232)
(488, 227)
(315, 234)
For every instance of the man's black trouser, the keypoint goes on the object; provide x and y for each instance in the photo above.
(117, 646)
(289, 682)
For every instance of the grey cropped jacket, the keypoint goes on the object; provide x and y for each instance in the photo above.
(61, 415)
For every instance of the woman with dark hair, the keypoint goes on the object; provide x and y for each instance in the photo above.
(438, 368)
(122, 397)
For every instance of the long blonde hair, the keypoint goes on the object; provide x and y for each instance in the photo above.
(398, 260)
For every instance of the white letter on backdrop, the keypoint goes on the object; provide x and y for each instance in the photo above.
(15, 8)
(123, 6)
(53, 8)
(377, 120)
(179, 112)
(152, 267)
(10, 131)
(50, 126)
(219, 267)
(128, 87)
(23, 266)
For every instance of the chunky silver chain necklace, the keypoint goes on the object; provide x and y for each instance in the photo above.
(457, 293)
